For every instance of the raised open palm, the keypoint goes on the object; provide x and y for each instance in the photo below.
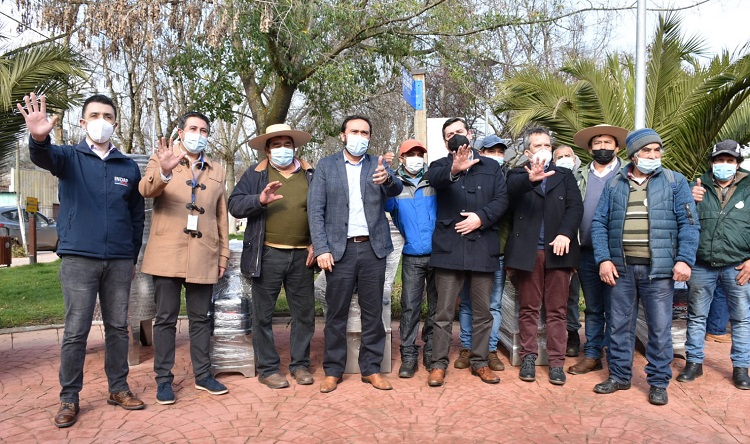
(35, 115)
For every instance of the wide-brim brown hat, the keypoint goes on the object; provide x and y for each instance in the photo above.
(583, 136)
(280, 129)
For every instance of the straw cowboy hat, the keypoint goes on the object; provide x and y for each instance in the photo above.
(280, 129)
(583, 137)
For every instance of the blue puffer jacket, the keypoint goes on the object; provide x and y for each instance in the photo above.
(101, 210)
(414, 212)
(673, 222)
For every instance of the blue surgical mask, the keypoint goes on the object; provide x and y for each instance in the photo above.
(724, 171)
(194, 143)
(566, 162)
(356, 145)
(499, 159)
(648, 166)
(282, 157)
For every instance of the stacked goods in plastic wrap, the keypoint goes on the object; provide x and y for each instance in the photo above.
(231, 343)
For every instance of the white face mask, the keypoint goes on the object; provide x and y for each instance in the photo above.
(414, 164)
(99, 130)
(356, 145)
(565, 162)
(194, 143)
(542, 155)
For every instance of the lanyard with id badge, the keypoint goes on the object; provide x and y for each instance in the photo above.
(192, 219)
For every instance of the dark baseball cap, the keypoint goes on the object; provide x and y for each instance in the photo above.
(728, 146)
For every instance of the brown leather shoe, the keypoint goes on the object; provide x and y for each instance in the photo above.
(436, 378)
(329, 384)
(67, 415)
(486, 375)
(126, 399)
(585, 365)
(463, 359)
(303, 376)
(724, 339)
(494, 362)
(378, 381)
(274, 381)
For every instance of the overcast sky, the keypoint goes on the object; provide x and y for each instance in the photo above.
(723, 24)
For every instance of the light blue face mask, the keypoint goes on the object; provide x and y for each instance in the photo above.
(194, 142)
(648, 166)
(356, 145)
(500, 160)
(282, 157)
(724, 171)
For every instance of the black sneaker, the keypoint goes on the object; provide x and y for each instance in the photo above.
(658, 396)
(408, 368)
(556, 376)
(528, 368)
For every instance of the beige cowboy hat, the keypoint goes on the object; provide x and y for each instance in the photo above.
(583, 136)
(280, 129)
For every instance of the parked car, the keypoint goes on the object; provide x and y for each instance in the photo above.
(46, 229)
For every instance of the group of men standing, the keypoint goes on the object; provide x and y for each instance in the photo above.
(626, 230)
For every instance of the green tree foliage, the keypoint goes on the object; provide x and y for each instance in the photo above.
(691, 105)
(44, 68)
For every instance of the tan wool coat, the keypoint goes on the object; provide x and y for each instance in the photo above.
(170, 252)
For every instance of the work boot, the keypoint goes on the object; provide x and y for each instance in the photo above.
(584, 366)
(657, 396)
(408, 368)
(574, 344)
(740, 378)
(494, 362)
(67, 415)
(691, 371)
(463, 359)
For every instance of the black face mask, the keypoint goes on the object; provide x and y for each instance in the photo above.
(603, 157)
(457, 141)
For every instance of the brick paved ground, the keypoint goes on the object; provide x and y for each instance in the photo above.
(464, 410)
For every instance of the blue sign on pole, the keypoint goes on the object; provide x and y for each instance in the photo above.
(412, 90)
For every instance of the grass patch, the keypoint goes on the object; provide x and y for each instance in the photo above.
(31, 295)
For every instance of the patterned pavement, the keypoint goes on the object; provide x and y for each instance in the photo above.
(709, 410)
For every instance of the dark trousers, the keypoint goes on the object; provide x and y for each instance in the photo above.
(283, 267)
(449, 284)
(551, 287)
(416, 277)
(358, 268)
(82, 278)
(198, 303)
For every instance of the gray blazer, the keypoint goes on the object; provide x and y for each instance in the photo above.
(328, 206)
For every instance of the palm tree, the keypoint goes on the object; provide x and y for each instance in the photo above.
(692, 106)
(41, 67)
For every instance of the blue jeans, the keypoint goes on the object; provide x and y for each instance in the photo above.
(718, 315)
(597, 296)
(702, 286)
(81, 279)
(464, 310)
(283, 267)
(656, 296)
(416, 277)
(574, 296)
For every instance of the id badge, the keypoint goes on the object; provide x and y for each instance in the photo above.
(192, 222)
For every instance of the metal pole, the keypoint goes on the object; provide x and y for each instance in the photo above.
(640, 67)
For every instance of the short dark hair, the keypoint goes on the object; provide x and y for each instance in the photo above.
(453, 120)
(183, 119)
(534, 130)
(98, 98)
(347, 119)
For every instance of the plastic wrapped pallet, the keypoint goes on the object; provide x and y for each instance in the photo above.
(231, 343)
